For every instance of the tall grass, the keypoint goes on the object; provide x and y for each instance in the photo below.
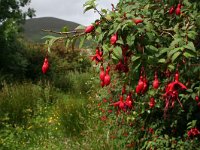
(73, 115)
(19, 102)
(75, 83)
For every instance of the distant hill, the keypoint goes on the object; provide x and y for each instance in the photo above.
(32, 27)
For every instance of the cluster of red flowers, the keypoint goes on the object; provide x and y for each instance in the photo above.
(193, 132)
(124, 105)
(171, 93)
(177, 11)
(104, 76)
(98, 56)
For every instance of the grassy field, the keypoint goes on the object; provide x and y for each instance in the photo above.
(40, 116)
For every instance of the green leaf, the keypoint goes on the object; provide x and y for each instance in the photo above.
(152, 48)
(48, 37)
(134, 58)
(192, 124)
(192, 34)
(104, 11)
(164, 50)
(190, 46)
(176, 28)
(188, 55)
(88, 8)
(90, 4)
(64, 29)
(105, 48)
(67, 43)
(82, 40)
(171, 52)
(130, 39)
(117, 52)
(175, 42)
(171, 67)
(80, 28)
(175, 56)
(162, 60)
(74, 43)
(52, 41)
(120, 41)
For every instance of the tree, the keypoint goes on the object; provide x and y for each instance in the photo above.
(11, 9)
(147, 53)
(11, 16)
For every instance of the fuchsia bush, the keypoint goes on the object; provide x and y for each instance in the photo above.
(147, 53)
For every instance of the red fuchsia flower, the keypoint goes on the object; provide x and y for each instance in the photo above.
(171, 10)
(151, 130)
(193, 132)
(107, 77)
(99, 104)
(113, 39)
(98, 56)
(129, 102)
(156, 81)
(110, 111)
(122, 66)
(152, 102)
(145, 87)
(171, 94)
(103, 118)
(105, 100)
(119, 104)
(140, 85)
(102, 73)
(89, 29)
(137, 21)
(45, 66)
(178, 9)
(197, 98)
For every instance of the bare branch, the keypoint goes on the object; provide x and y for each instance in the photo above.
(61, 33)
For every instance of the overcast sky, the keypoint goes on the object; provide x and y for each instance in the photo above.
(70, 10)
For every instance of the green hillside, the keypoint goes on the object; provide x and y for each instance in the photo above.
(32, 27)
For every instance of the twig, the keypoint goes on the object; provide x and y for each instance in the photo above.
(61, 33)
(195, 65)
(166, 33)
(167, 29)
(100, 14)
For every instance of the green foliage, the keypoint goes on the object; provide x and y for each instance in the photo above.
(73, 82)
(12, 60)
(18, 102)
(37, 116)
(12, 9)
(73, 115)
(162, 45)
